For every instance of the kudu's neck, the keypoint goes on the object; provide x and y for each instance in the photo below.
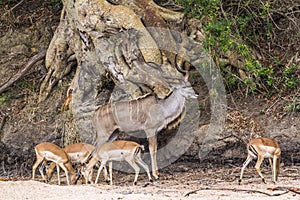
(173, 105)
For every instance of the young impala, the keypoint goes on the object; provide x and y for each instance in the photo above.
(261, 148)
(78, 154)
(118, 150)
(50, 152)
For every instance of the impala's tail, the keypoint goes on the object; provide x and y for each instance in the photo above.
(252, 151)
(87, 160)
(138, 150)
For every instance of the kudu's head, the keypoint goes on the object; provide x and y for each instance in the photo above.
(184, 87)
(186, 91)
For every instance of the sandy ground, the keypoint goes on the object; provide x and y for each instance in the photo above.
(179, 182)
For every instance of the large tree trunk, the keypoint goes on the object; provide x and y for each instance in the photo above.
(103, 37)
(132, 43)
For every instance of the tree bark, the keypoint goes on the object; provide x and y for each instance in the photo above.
(128, 42)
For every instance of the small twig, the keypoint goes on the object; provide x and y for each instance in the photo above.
(236, 190)
(10, 10)
(23, 71)
(3, 168)
(273, 104)
(292, 189)
(3, 120)
(295, 190)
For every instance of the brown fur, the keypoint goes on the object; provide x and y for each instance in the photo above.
(263, 148)
(47, 151)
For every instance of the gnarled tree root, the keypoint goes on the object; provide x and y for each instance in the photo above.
(22, 71)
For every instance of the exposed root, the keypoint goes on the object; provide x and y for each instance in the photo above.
(23, 71)
(237, 190)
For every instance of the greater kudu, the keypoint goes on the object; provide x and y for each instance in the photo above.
(149, 114)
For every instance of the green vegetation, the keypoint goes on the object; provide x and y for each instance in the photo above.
(294, 106)
(291, 75)
(243, 28)
(3, 98)
(56, 3)
(8, 1)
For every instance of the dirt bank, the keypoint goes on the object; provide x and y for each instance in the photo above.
(186, 183)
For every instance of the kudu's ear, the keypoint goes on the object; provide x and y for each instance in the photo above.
(185, 72)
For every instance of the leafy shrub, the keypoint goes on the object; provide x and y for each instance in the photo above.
(241, 27)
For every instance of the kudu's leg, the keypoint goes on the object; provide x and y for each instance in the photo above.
(153, 150)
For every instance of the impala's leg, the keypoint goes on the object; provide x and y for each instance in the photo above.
(139, 160)
(274, 169)
(36, 164)
(41, 169)
(248, 160)
(79, 174)
(277, 167)
(153, 150)
(272, 164)
(50, 169)
(99, 171)
(58, 177)
(62, 165)
(89, 170)
(136, 169)
(257, 167)
(105, 174)
(110, 172)
(84, 180)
